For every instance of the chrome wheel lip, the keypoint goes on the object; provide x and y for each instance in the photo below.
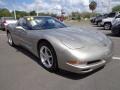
(46, 57)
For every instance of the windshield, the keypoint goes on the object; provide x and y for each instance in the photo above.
(112, 15)
(38, 23)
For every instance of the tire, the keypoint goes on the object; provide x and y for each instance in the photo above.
(107, 26)
(48, 57)
(99, 24)
(115, 32)
(10, 40)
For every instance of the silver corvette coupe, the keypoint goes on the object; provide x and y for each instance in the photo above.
(59, 46)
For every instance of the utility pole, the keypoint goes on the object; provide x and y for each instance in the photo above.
(109, 5)
(37, 8)
(14, 14)
(37, 11)
(14, 9)
(102, 4)
(37, 5)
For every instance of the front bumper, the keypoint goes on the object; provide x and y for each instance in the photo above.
(90, 56)
(89, 67)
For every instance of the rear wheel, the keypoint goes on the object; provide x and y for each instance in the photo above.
(48, 56)
(10, 40)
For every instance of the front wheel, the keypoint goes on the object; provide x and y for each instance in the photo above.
(99, 24)
(48, 57)
(107, 26)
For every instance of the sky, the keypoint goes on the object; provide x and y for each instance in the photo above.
(55, 6)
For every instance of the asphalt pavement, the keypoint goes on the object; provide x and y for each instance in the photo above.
(19, 69)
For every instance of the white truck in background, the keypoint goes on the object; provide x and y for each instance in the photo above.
(107, 22)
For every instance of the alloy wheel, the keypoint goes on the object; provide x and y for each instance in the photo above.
(10, 41)
(46, 57)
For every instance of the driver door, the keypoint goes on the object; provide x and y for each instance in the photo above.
(23, 33)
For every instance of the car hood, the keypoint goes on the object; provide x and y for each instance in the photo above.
(78, 38)
(108, 19)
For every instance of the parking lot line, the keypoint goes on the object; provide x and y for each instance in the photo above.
(116, 58)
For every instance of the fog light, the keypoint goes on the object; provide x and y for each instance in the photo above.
(76, 62)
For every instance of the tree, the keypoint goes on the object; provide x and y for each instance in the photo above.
(116, 8)
(85, 15)
(14, 9)
(4, 12)
(76, 16)
(33, 13)
(20, 13)
(93, 5)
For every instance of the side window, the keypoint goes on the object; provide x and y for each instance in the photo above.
(22, 22)
(112, 15)
(118, 16)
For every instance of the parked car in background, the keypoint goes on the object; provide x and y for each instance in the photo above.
(99, 19)
(116, 20)
(116, 29)
(58, 46)
(4, 21)
(107, 22)
(92, 19)
(116, 26)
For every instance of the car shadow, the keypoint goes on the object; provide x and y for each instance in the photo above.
(93, 25)
(112, 35)
(76, 76)
(60, 72)
(100, 28)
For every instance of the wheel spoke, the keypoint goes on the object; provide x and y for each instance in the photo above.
(49, 56)
(49, 63)
(42, 54)
(46, 51)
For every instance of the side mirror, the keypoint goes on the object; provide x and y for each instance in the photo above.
(20, 28)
